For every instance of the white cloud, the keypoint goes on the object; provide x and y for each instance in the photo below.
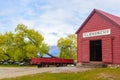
(52, 18)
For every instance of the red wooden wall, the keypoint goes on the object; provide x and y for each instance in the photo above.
(110, 43)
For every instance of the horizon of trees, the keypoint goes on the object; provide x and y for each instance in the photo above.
(24, 44)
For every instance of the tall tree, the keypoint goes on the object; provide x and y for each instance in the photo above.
(34, 42)
(67, 46)
(22, 45)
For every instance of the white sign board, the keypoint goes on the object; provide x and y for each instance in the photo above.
(97, 33)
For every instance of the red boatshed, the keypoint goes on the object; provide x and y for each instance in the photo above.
(98, 38)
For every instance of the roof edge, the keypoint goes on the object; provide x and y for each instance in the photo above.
(86, 21)
(99, 12)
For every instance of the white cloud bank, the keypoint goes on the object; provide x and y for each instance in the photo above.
(52, 18)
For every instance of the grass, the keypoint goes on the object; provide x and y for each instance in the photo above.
(95, 74)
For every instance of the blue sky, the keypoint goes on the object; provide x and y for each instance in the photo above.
(52, 18)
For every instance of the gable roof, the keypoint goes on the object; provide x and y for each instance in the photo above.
(110, 17)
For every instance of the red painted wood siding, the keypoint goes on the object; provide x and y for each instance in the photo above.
(85, 56)
(107, 56)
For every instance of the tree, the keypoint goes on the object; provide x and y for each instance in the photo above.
(34, 42)
(67, 46)
(19, 43)
(22, 45)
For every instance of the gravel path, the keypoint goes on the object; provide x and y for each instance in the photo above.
(7, 72)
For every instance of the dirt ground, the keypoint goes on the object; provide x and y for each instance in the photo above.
(7, 72)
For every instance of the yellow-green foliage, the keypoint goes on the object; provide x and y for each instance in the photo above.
(67, 46)
(22, 44)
